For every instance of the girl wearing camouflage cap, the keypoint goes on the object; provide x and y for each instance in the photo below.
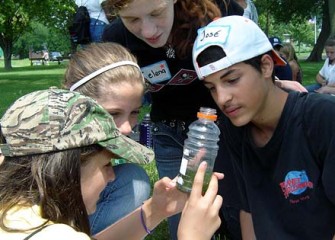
(58, 146)
(117, 84)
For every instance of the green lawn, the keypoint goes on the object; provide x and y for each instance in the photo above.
(25, 78)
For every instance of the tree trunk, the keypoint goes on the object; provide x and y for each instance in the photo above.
(331, 7)
(328, 13)
(7, 46)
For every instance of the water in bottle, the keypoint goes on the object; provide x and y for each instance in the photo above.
(203, 134)
(145, 131)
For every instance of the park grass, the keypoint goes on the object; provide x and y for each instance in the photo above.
(24, 78)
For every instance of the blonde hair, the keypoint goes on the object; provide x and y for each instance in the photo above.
(289, 52)
(94, 57)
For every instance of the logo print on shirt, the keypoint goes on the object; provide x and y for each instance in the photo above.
(296, 182)
(158, 73)
(183, 77)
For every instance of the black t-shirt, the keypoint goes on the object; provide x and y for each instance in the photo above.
(176, 91)
(288, 185)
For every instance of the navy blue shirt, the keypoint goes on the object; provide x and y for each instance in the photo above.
(284, 72)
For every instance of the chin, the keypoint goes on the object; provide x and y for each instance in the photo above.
(156, 45)
(239, 122)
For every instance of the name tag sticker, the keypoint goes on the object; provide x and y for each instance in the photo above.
(215, 35)
(157, 72)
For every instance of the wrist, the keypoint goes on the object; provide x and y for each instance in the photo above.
(151, 218)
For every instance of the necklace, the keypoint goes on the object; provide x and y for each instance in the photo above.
(170, 52)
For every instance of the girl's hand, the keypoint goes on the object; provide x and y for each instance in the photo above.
(200, 217)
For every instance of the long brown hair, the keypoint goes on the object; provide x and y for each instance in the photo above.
(49, 180)
(190, 15)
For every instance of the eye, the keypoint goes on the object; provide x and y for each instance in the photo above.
(136, 112)
(155, 14)
(108, 164)
(233, 80)
(114, 114)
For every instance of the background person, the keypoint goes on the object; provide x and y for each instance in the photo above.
(98, 19)
(326, 76)
(281, 72)
(119, 89)
(250, 10)
(288, 53)
(160, 33)
(58, 146)
(263, 128)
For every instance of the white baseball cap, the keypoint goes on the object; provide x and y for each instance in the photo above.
(240, 38)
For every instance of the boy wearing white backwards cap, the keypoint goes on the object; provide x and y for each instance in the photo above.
(281, 144)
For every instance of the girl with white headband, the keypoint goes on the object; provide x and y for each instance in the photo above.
(108, 73)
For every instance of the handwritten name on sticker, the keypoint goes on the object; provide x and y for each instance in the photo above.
(157, 72)
(216, 35)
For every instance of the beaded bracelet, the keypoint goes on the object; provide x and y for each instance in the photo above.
(147, 230)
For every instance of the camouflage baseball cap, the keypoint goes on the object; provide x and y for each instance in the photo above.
(56, 119)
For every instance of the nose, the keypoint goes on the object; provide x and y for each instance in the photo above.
(223, 96)
(125, 128)
(148, 28)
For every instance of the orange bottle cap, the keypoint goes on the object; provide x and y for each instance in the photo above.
(206, 116)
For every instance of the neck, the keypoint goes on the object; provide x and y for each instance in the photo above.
(264, 125)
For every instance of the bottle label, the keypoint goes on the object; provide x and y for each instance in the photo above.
(183, 166)
(186, 152)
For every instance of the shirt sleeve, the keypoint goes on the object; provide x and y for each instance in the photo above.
(323, 70)
(320, 122)
(61, 231)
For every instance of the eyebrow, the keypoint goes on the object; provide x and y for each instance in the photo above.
(227, 73)
(222, 76)
(159, 9)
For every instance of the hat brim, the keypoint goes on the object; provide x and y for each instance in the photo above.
(128, 149)
(278, 61)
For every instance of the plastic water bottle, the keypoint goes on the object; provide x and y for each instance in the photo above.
(145, 131)
(203, 134)
(135, 133)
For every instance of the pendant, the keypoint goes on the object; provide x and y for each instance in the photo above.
(170, 52)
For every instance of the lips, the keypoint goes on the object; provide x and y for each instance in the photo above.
(231, 111)
(153, 40)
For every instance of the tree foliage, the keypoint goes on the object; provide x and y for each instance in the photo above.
(16, 15)
(42, 37)
(296, 13)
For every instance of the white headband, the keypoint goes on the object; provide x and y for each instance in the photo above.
(102, 70)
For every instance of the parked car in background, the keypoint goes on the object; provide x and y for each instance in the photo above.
(56, 56)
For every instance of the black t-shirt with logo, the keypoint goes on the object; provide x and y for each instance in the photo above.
(288, 185)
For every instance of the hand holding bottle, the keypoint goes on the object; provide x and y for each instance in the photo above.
(203, 135)
(200, 217)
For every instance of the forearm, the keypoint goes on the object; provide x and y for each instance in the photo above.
(320, 79)
(247, 227)
(130, 227)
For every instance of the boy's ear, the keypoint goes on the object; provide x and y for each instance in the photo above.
(267, 66)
